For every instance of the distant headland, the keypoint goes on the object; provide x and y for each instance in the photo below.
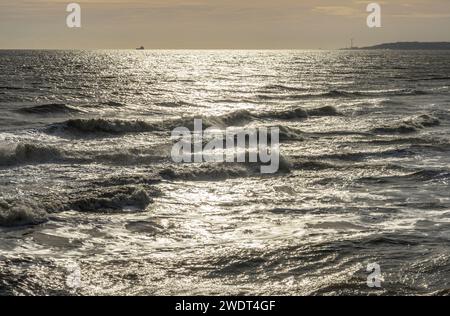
(408, 46)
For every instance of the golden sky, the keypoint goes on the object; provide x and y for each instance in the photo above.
(271, 24)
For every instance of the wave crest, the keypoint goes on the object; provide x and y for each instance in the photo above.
(20, 213)
(236, 118)
(113, 200)
(220, 171)
(106, 126)
(300, 113)
(410, 125)
(28, 153)
(335, 94)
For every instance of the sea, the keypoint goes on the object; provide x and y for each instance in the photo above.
(92, 203)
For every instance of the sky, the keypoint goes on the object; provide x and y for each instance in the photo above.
(219, 24)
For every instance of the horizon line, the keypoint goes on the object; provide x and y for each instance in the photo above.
(224, 48)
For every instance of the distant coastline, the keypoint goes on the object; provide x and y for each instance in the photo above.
(407, 46)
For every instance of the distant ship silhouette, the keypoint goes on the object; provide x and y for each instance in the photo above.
(140, 48)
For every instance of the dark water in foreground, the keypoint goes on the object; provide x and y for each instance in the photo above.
(91, 203)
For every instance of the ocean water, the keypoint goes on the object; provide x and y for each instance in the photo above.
(92, 204)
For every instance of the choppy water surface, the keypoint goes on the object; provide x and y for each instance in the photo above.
(87, 183)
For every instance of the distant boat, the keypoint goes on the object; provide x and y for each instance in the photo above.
(140, 48)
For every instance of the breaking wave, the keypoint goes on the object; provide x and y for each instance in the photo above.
(28, 153)
(113, 200)
(99, 198)
(207, 172)
(104, 126)
(289, 133)
(219, 171)
(236, 118)
(343, 94)
(20, 213)
(410, 125)
(300, 113)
